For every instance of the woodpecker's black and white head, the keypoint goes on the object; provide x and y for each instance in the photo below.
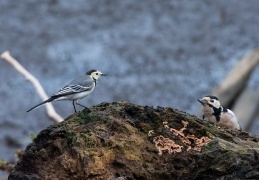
(95, 74)
(211, 101)
(217, 114)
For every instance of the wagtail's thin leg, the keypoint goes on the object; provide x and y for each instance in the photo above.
(74, 105)
(81, 105)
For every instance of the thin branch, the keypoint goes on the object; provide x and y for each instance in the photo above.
(50, 109)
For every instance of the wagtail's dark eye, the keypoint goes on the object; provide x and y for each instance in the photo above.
(96, 73)
(211, 100)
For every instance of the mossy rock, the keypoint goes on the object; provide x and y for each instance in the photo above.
(110, 141)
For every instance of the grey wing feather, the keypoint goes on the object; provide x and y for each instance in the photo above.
(80, 84)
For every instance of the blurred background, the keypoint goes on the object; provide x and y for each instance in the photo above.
(157, 53)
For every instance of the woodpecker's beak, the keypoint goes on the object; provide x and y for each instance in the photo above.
(202, 101)
(104, 74)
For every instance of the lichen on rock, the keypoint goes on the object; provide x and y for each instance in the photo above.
(166, 144)
(111, 140)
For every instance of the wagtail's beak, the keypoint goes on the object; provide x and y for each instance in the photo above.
(104, 74)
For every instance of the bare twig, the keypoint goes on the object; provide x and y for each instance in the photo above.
(50, 109)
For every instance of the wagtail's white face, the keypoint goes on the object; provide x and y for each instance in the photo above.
(210, 100)
(95, 74)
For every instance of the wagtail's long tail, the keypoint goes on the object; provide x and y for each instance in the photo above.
(38, 105)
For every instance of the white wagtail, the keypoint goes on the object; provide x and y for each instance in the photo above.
(76, 90)
(217, 114)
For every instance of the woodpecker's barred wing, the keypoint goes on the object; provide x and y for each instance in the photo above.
(81, 84)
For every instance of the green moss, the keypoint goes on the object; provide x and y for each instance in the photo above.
(84, 138)
(32, 136)
(88, 116)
